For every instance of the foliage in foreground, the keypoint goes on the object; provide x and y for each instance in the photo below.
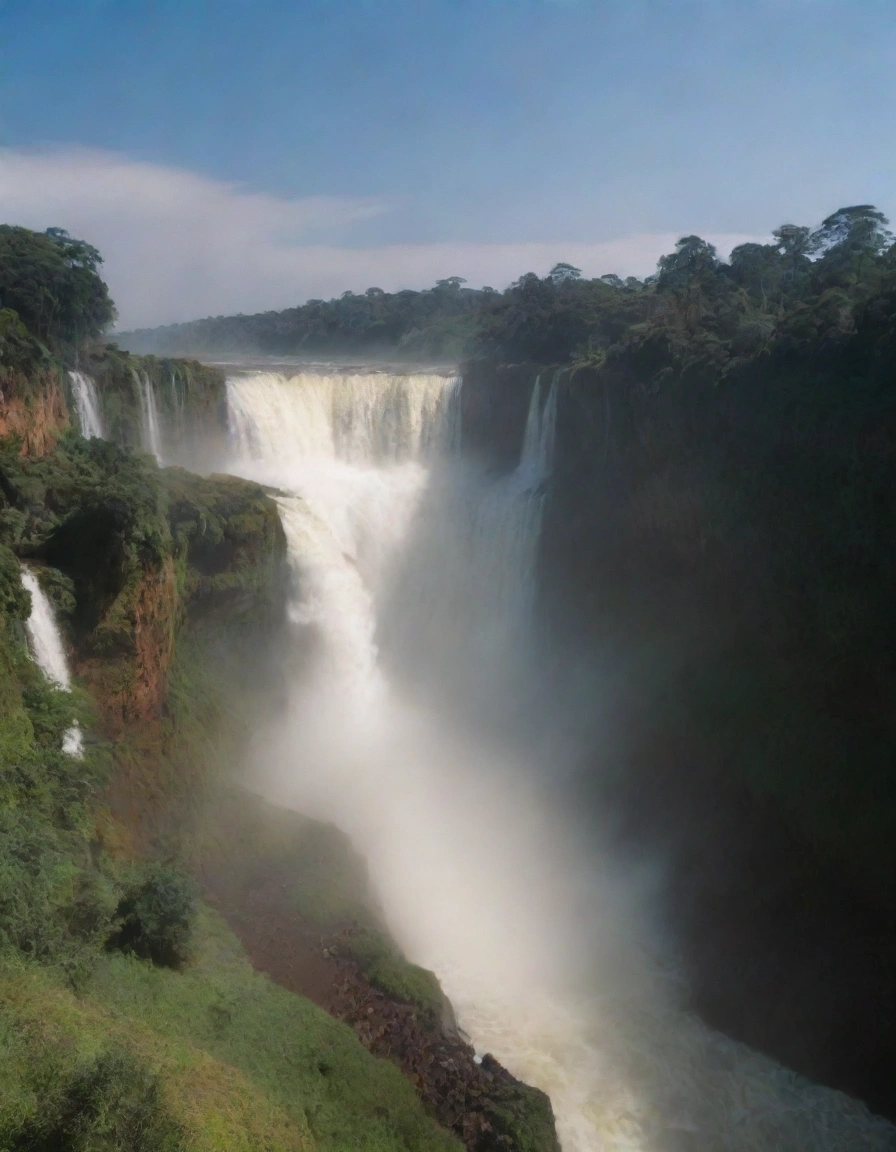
(212, 1057)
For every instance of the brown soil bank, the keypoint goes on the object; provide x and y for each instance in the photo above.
(297, 898)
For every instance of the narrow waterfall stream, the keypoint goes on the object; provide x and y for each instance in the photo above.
(416, 575)
(47, 650)
(151, 431)
(87, 405)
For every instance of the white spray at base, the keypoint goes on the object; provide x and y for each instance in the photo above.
(414, 571)
(87, 405)
(45, 643)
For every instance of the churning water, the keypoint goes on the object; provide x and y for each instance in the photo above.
(416, 574)
(47, 651)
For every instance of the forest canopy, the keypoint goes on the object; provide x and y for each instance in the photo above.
(52, 282)
(804, 283)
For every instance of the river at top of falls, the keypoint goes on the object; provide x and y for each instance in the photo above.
(47, 650)
(416, 575)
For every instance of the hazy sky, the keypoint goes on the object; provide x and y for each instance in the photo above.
(241, 154)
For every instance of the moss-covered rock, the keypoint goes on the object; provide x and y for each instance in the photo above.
(189, 400)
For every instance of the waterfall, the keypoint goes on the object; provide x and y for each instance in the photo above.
(47, 651)
(87, 405)
(356, 418)
(149, 417)
(416, 574)
(537, 457)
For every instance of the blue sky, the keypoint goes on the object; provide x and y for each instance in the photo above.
(466, 123)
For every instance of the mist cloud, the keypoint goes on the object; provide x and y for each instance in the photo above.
(179, 245)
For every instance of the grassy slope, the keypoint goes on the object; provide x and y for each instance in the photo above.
(237, 1062)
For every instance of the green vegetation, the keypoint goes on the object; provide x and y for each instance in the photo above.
(211, 1058)
(436, 322)
(244, 842)
(129, 1016)
(309, 1065)
(155, 916)
(52, 282)
(189, 397)
(20, 352)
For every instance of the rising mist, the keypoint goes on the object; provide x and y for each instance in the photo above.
(421, 726)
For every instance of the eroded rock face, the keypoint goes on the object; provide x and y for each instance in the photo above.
(482, 1103)
(34, 412)
(697, 552)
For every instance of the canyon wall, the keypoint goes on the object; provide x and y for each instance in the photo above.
(713, 560)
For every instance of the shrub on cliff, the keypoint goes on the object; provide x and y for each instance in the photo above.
(112, 1101)
(155, 916)
(54, 904)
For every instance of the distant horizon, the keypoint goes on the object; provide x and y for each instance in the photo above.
(723, 255)
(178, 247)
(308, 149)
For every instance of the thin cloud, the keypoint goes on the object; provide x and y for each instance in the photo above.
(178, 245)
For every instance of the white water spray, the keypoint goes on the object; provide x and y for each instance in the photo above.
(45, 642)
(414, 571)
(87, 405)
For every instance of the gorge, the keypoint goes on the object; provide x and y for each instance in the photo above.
(525, 715)
(416, 568)
(414, 573)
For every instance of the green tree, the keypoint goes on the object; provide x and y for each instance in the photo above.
(760, 269)
(690, 275)
(849, 243)
(561, 273)
(52, 281)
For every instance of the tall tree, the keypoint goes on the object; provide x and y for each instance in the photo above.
(52, 281)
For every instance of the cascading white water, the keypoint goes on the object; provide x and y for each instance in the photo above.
(87, 405)
(537, 457)
(414, 570)
(149, 416)
(45, 642)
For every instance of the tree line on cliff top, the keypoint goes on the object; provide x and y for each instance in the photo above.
(804, 286)
(51, 292)
(807, 284)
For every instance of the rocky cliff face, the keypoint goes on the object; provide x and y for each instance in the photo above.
(33, 412)
(494, 402)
